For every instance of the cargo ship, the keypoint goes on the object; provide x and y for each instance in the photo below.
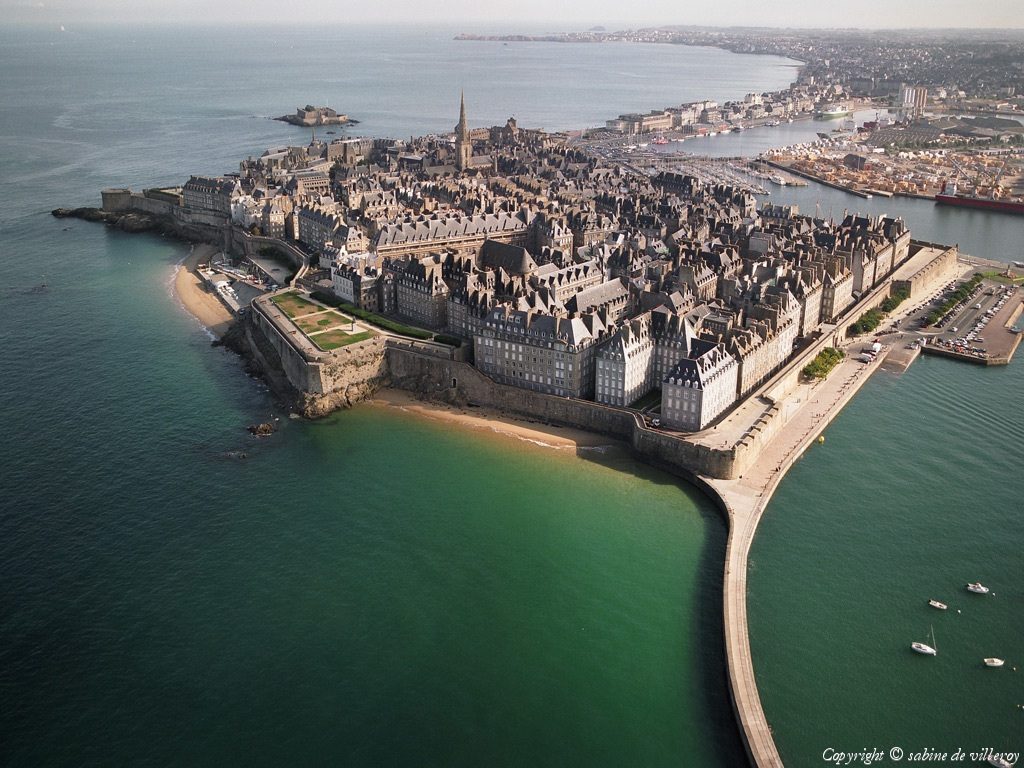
(952, 197)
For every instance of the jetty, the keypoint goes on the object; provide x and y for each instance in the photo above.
(812, 406)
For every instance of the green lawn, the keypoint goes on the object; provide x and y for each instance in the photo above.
(293, 305)
(999, 277)
(312, 323)
(334, 339)
(374, 319)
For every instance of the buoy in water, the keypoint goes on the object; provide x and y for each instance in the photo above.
(821, 439)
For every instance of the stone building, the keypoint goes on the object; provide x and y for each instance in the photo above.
(760, 350)
(470, 300)
(320, 226)
(700, 387)
(542, 353)
(623, 366)
(563, 283)
(421, 293)
(612, 300)
(836, 290)
(214, 194)
(703, 282)
(356, 283)
(309, 183)
(462, 234)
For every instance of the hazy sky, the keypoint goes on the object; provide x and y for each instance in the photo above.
(560, 14)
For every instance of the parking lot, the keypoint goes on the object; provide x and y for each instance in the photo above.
(977, 327)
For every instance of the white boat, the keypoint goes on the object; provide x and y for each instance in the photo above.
(1019, 264)
(993, 662)
(1000, 761)
(928, 650)
(978, 588)
(937, 604)
(832, 111)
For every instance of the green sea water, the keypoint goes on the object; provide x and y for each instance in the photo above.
(372, 589)
(916, 491)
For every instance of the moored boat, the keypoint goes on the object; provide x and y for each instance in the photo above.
(994, 662)
(928, 650)
(937, 604)
(978, 588)
(833, 111)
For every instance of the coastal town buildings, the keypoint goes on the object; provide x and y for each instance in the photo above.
(214, 194)
(544, 353)
(560, 274)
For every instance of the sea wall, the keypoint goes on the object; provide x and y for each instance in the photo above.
(459, 383)
(346, 376)
(322, 382)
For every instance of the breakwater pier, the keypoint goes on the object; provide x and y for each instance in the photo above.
(744, 500)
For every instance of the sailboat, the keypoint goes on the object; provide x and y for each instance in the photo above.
(928, 650)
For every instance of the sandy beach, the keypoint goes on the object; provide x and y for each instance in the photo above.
(561, 438)
(199, 302)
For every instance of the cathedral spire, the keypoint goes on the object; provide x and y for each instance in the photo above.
(463, 142)
(462, 129)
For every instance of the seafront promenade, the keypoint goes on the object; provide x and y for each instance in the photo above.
(811, 408)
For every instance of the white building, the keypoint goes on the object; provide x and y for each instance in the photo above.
(624, 365)
(700, 388)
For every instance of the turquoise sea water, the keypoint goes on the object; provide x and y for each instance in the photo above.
(916, 491)
(375, 589)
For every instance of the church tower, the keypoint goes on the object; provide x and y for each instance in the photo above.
(463, 144)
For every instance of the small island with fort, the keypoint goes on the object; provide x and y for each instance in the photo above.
(314, 117)
(537, 277)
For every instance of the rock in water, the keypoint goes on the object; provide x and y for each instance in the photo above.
(261, 430)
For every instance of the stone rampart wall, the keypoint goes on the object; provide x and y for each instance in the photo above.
(457, 382)
(304, 376)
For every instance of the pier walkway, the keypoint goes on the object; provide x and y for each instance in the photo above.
(809, 408)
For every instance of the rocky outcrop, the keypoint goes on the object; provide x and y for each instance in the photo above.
(130, 221)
